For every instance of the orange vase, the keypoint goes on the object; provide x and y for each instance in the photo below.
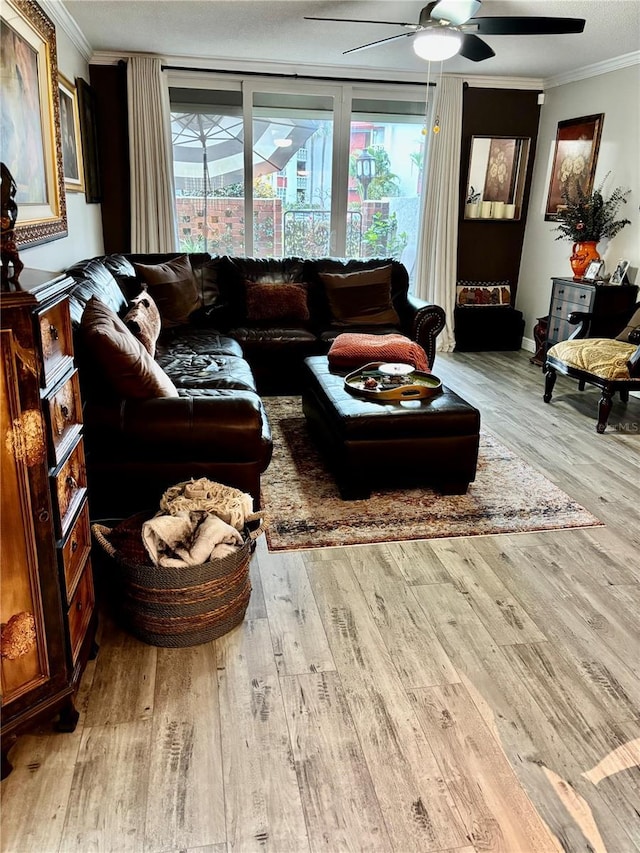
(581, 257)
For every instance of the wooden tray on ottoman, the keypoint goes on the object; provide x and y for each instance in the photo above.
(412, 385)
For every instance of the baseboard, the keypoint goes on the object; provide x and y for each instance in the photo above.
(528, 345)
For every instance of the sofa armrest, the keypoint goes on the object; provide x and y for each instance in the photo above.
(225, 426)
(427, 321)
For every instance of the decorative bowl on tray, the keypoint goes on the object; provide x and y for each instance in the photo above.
(390, 381)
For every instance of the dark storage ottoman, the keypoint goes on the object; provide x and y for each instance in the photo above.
(365, 443)
(482, 328)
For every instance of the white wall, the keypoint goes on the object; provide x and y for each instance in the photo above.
(84, 239)
(617, 95)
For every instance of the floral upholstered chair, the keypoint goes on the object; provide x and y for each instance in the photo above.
(612, 364)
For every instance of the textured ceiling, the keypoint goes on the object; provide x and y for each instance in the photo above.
(237, 30)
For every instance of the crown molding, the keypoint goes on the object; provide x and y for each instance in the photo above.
(61, 18)
(615, 64)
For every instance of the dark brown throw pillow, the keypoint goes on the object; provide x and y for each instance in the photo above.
(632, 325)
(361, 298)
(126, 364)
(143, 321)
(270, 302)
(173, 288)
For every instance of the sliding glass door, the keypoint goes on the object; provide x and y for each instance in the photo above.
(314, 169)
(292, 182)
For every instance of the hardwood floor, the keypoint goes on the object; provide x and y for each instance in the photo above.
(468, 695)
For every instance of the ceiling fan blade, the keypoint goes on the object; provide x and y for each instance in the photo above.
(475, 49)
(527, 26)
(376, 43)
(456, 12)
(361, 21)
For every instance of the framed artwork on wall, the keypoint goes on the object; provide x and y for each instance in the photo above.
(89, 133)
(500, 177)
(30, 139)
(574, 159)
(70, 133)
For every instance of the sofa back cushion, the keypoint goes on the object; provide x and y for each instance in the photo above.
(124, 273)
(360, 298)
(94, 279)
(173, 288)
(127, 367)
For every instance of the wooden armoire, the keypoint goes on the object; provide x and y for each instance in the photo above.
(47, 605)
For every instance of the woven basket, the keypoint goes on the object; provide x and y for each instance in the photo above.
(177, 607)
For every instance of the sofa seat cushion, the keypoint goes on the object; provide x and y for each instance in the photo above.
(328, 336)
(207, 371)
(94, 279)
(292, 338)
(198, 341)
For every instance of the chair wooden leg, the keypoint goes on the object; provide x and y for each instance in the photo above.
(549, 382)
(604, 409)
(624, 395)
(581, 385)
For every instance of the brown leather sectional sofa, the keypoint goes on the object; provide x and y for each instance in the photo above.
(220, 362)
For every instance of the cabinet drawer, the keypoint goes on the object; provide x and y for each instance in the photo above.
(573, 292)
(69, 487)
(55, 341)
(75, 551)
(64, 411)
(80, 610)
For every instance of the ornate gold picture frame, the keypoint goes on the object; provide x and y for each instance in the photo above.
(30, 139)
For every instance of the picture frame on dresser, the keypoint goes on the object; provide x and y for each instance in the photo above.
(594, 271)
(30, 121)
(620, 272)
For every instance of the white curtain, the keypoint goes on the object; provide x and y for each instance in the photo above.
(436, 263)
(153, 218)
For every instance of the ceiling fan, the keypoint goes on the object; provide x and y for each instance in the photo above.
(447, 27)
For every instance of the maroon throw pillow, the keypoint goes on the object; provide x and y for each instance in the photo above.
(273, 302)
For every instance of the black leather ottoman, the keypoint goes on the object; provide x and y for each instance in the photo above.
(431, 442)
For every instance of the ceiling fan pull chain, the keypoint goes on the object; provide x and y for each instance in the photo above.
(425, 129)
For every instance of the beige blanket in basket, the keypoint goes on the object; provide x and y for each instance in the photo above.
(188, 539)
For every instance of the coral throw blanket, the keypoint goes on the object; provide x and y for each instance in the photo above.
(353, 349)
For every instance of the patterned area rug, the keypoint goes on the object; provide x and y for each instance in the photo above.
(305, 509)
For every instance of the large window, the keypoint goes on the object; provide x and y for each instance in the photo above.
(315, 170)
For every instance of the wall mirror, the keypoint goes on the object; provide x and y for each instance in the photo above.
(497, 171)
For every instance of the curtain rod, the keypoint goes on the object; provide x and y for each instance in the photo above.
(291, 76)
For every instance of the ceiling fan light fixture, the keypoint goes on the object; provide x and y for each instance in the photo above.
(437, 43)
